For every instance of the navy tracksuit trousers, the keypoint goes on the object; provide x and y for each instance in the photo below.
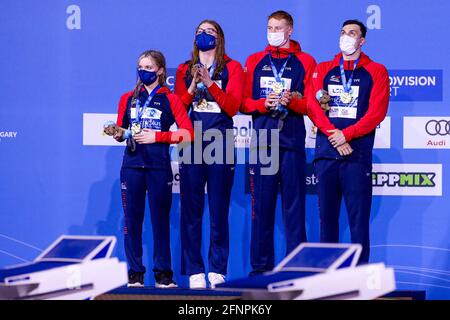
(219, 181)
(353, 181)
(291, 177)
(156, 185)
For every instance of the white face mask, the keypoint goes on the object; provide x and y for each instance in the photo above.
(275, 39)
(347, 45)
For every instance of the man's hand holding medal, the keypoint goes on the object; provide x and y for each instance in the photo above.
(271, 102)
(323, 98)
(274, 99)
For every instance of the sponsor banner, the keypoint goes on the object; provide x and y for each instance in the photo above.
(404, 179)
(6, 135)
(383, 135)
(93, 130)
(311, 180)
(176, 177)
(170, 78)
(416, 85)
(242, 126)
(426, 132)
(388, 179)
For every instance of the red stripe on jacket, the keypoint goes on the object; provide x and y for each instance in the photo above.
(122, 109)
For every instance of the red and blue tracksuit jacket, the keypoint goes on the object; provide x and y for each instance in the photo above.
(371, 95)
(258, 80)
(164, 110)
(224, 98)
(224, 95)
(348, 176)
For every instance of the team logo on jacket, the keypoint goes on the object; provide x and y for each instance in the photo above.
(335, 78)
(151, 119)
(266, 84)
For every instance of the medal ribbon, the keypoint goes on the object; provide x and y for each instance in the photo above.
(347, 85)
(139, 110)
(278, 75)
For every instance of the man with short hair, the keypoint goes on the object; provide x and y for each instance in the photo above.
(275, 84)
(358, 92)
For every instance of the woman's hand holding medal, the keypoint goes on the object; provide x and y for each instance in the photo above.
(146, 136)
(118, 135)
(110, 128)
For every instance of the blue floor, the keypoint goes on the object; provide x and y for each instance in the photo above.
(174, 292)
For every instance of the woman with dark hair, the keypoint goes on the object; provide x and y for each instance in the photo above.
(210, 85)
(146, 114)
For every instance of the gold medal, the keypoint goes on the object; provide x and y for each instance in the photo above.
(202, 104)
(346, 97)
(135, 128)
(277, 88)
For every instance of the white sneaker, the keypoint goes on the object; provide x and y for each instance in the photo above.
(168, 285)
(215, 279)
(197, 281)
(135, 285)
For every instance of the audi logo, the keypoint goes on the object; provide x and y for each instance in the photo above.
(438, 127)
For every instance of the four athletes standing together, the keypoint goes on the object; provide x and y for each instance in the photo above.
(346, 98)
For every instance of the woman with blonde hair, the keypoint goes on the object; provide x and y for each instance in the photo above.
(146, 114)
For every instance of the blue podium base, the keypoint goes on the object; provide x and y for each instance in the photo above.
(152, 293)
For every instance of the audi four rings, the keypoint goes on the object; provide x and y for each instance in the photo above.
(438, 127)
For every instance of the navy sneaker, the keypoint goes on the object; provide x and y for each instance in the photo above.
(164, 280)
(135, 280)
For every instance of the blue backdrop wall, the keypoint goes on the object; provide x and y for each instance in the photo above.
(64, 65)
